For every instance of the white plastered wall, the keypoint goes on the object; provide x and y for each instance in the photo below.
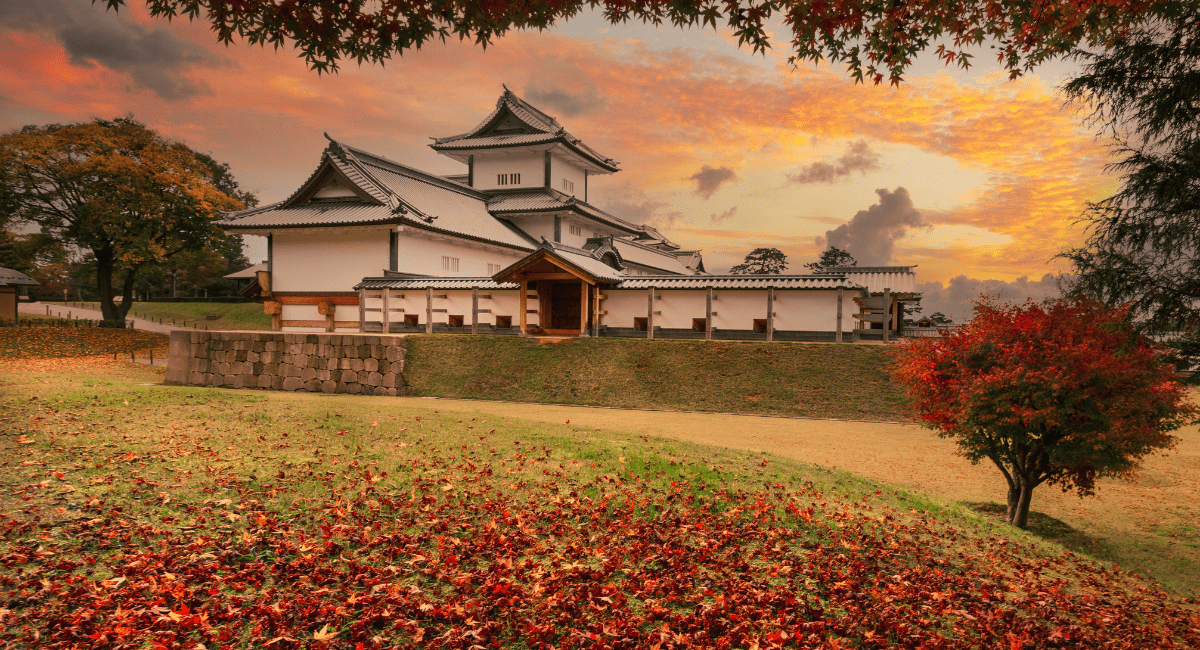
(421, 255)
(409, 302)
(736, 310)
(560, 169)
(531, 167)
(808, 311)
(622, 306)
(332, 261)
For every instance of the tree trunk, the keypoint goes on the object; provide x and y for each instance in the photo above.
(1014, 499)
(104, 285)
(1018, 511)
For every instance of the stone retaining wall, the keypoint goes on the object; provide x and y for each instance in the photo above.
(317, 363)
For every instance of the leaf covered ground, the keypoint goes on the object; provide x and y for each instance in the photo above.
(145, 516)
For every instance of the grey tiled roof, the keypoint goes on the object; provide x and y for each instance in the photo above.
(548, 130)
(325, 213)
(636, 253)
(547, 200)
(898, 279)
(11, 278)
(436, 283)
(737, 282)
(586, 262)
(417, 197)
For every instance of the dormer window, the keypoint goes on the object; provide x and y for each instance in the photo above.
(508, 179)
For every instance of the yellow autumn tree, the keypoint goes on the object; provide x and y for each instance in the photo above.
(116, 189)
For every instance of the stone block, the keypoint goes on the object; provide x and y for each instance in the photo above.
(353, 389)
(398, 367)
(323, 375)
(270, 369)
(295, 348)
(235, 367)
(356, 364)
(314, 361)
(277, 382)
(308, 374)
(255, 368)
(373, 379)
(292, 383)
(253, 357)
(270, 346)
(335, 375)
(394, 353)
(264, 381)
(223, 368)
(391, 392)
(384, 367)
(371, 364)
(380, 390)
(195, 378)
(249, 381)
(328, 386)
(341, 387)
(195, 338)
(311, 338)
(389, 380)
(312, 386)
(300, 359)
(308, 348)
(348, 376)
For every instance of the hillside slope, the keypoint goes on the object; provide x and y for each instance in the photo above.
(791, 379)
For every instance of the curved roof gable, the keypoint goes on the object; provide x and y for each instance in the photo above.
(516, 122)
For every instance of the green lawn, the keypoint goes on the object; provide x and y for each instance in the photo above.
(794, 379)
(230, 316)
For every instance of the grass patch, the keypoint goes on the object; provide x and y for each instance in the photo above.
(795, 379)
(230, 316)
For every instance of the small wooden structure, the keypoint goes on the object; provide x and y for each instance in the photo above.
(12, 286)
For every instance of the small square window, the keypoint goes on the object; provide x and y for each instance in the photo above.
(639, 324)
(514, 179)
(455, 321)
(449, 263)
(411, 319)
(699, 324)
(576, 230)
(568, 186)
(502, 179)
(493, 269)
(760, 325)
(503, 322)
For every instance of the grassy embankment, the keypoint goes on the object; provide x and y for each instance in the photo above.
(230, 316)
(793, 379)
(141, 514)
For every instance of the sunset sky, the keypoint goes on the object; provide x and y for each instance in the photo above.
(973, 178)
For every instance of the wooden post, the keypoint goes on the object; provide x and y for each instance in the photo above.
(524, 305)
(596, 313)
(838, 338)
(387, 310)
(770, 313)
(362, 310)
(583, 307)
(887, 308)
(429, 310)
(650, 314)
(474, 310)
(708, 315)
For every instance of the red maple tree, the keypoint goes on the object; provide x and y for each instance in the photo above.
(1061, 392)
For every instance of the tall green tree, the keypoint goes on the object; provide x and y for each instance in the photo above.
(832, 256)
(874, 39)
(762, 261)
(117, 190)
(1143, 246)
